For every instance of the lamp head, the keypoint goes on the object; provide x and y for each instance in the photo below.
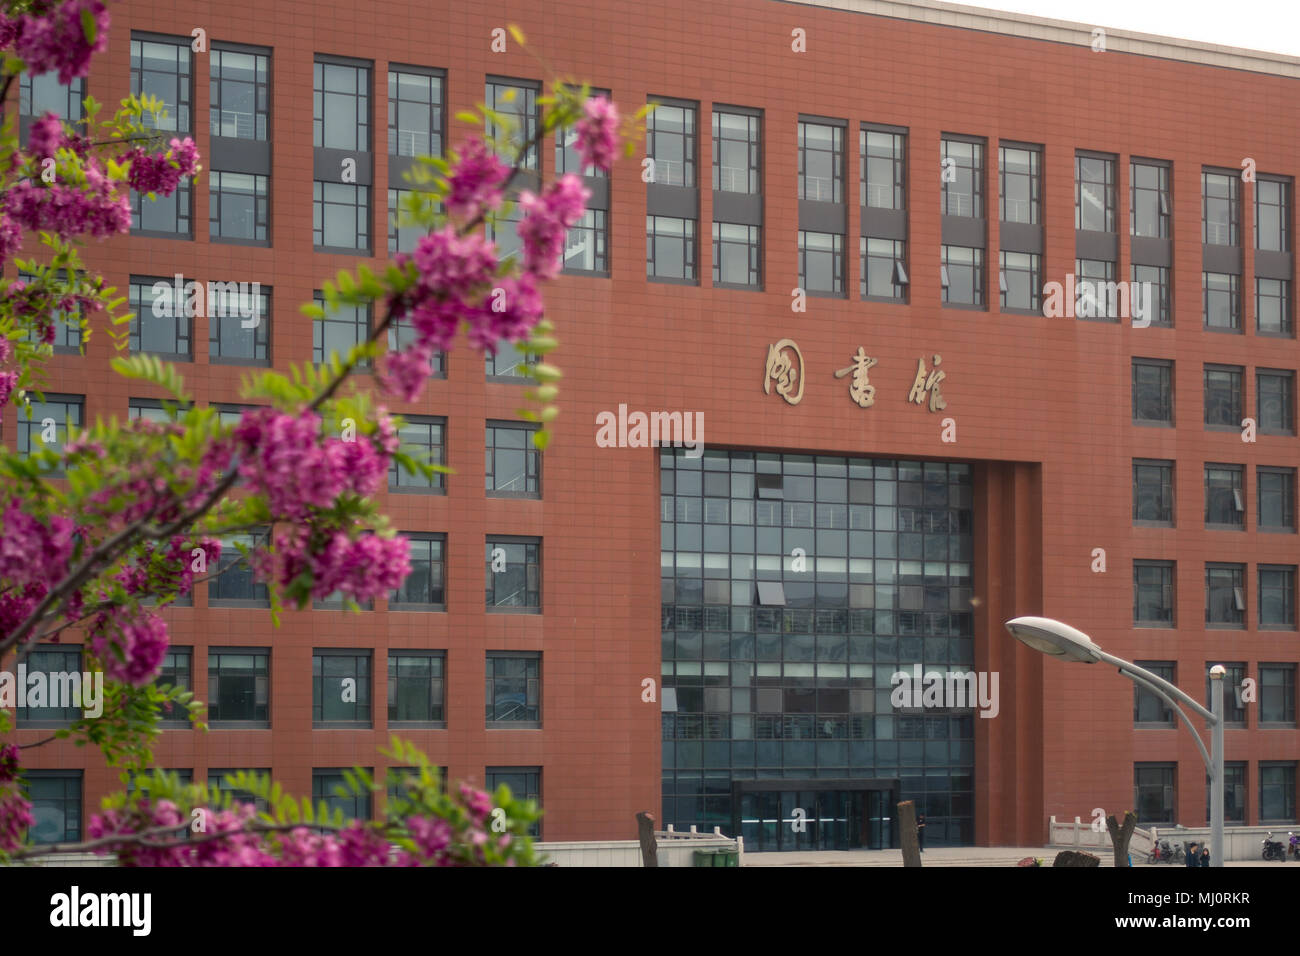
(1054, 639)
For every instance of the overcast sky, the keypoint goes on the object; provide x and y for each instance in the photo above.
(1272, 25)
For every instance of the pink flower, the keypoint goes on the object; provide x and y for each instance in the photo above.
(598, 132)
(475, 181)
(57, 40)
(130, 648)
(161, 173)
(405, 373)
(15, 818)
(546, 223)
(45, 136)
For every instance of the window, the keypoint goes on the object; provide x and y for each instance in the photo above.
(153, 410)
(1277, 791)
(422, 438)
(402, 334)
(1234, 792)
(1225, 596)
(1094, 193)
(1021, 169)
(177, 671)
(1221, 298)
(63, 692)
(1098, 296)
(524, 783)
(341, 106)
(1276, 498)
(423, 588)
(882, 159)
(239, 324)
(43, 94)
(883, 268)
(235, 584)
(585, 245)
(1220, 208)
(737, 256)
(240, 93)
(514, 689)
(1272, 215)
(737, 152)
(401, 238)
(55, 796)
(326, 784)
(342, 328)
(503, 229)
(670, 248)
(239, 686)
(821, 162)
(961, 274)
(67, 323)
(1153, 492)
(1224, 498)
(161, 323)
(239, 207)
(160, 67)
(670, 142)
(415, 687)
(1277, 694)
(1155, 791)
(1020, 281)
(1153, 593)
(1147, 707)
(513, 465)
(1273, 307)
(1276, 401)
(1223, 399)
(568, 158)
(414, 113)
(1234, 707)
(167, 216)
(821, 263)
(217, 778)
(340, 688)
(514, 574)
(1149, 187)
(1155, 289)
(48, 426)
(508, 362)
(516, 103)
(341, 217)
(1277, 597)
(963, 178)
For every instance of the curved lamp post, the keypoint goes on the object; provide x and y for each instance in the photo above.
(1072, 645)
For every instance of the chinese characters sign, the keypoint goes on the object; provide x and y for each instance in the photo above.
(785, 368)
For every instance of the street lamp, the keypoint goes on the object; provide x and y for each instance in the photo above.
(1070, 644)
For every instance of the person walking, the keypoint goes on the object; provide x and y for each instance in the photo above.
(920, 832)
(1205, 856)
(1193, 856)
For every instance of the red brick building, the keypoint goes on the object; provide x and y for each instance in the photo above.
(1006, 153)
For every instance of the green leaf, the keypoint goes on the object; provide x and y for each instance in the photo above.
(88, 26)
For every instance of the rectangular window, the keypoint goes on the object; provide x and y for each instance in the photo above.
(1020, 281)
(1097, 296)
(670, 248)
(568, 158)
(1276, 498)
(1234, 705)
(1273, 307)
(1275, 392)
(166, 216)
(217, 778)
(1155, 792)
(821, 263)
(239, 686)
(57, 664)
(1220, 208)
(1153, 492)
(239, 207)
(1151, 203)
(963, 178)
(737, 256)
(1021, 171)
(821, 162)
(423, 589)
(1277, 597)
(160, 325)
(1234, 792)
(883, 268)
(416, 693)
(67, 322)
(1094, 193)
(402, 334)
(515, 103)
(514, 689)
(1223, 398)
(239, 324)
(423, 439)
(342, 328)
(586, 244)
(508, 363)
(415, 105)
(1156, 290)
(1149, 709)
(1225, 596)
(737, 152)
(153, 410)
(503, 230)
(961, 275)
(330, 785)
(177, 671)
(340, 687)
(1272, 215)
(235, 584)
(1221, 300)
(1277, 791)
(341, 217)
(514, 574)
(1153, 593)
(1277, 694)
(55, 796)
(1225, 502)
(513, 464)
(524, 783)
(240, 93)
(341, 106)
(36, 433)
(401, 238)
(882, 164)
(43, 94)
(160, 67)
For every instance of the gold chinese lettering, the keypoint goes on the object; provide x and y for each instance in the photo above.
(928, 382)
(861, 390)
(787, 372)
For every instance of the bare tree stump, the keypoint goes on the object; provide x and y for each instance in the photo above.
(1075, 858)
(907, 834)
(645, 825)
(1121, 835)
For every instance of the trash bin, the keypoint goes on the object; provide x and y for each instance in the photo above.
(704, 857)
(729, 857)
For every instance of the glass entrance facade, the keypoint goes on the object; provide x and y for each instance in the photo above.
(794, 587)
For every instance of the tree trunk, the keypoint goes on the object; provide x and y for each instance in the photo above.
(907, 834)
(1120, 835)
(645, 825)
